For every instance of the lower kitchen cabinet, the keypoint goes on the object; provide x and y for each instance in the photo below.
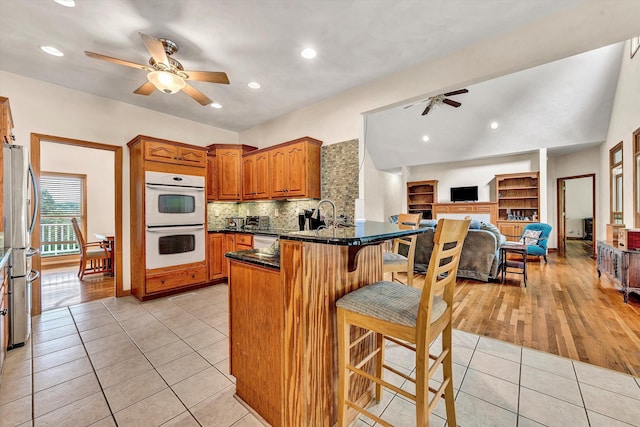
(512, 229)
(169, 279)
(221, 243)
(4, 319)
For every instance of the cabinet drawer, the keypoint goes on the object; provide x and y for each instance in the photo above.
(244, 240)
(461, 209)
(176, 279)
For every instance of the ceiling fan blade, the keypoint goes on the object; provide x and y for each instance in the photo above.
(456, 92)
(196, 94)
(208, 76)
(117, 61)
(451, 102)
(155, 48)
(145, 89)
(426, 110)
(415, 103)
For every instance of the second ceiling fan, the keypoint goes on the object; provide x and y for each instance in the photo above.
(165, 73)
(432, 101)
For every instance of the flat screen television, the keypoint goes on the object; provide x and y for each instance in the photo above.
(464, 194)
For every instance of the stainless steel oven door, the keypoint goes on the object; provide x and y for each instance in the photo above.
(174, 199)
(176, 245)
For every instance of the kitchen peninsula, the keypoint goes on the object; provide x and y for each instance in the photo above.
(283, 339)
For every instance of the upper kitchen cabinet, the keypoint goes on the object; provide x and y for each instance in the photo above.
(6, 125)
(255, 176)
(212, 187)
(294, 169)
(159, 150)
(228, 166)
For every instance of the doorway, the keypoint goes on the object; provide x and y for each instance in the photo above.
(39, 143)
(577, 215)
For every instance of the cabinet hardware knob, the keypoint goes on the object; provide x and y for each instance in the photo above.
(162, 281)
(3, 312)
(193, 276)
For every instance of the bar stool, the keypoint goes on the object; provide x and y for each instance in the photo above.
(393, 262)
(411, 318)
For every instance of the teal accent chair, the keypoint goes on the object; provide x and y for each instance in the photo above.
(540, 248)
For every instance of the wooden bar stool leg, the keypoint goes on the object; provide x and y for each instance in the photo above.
(344, 341)
(379, 364)
(447, 370)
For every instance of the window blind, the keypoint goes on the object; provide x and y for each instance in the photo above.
(61, 196)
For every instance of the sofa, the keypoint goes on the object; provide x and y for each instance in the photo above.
(480, 257)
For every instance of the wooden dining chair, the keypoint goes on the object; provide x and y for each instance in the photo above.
(409, 317)
(393, 262)
(95, 254)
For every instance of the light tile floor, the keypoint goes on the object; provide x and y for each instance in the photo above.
(165, 362)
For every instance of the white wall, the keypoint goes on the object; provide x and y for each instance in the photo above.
(578, 202)
(97, 165)
(39, 107)
(567, 165)
(625, 118)
(589, 25)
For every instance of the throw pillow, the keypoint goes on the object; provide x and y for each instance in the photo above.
(495, 230)
(530, 237)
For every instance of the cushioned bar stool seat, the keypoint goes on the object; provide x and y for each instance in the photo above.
(410, 317)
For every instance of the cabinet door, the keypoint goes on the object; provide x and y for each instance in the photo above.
(212, 189)
(160, 151)
(188, 156)
(216, 256)
(248, 178)
(228, 163)
(278, 173)
(229, 246)
(511, 231)
(261, 164)
(296, 168)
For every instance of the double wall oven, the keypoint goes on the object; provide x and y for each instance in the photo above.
(175, 208)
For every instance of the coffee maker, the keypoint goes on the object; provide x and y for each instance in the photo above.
(306, 222)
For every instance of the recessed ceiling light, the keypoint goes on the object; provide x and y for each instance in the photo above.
(216, 105)
(425, 138)
(66, 3)
(51, 50)
(308, 53)
(494, 125)
(254, 85)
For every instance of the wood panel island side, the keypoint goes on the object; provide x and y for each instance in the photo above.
(283, 339)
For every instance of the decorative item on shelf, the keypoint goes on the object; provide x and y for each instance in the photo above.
(535, 216)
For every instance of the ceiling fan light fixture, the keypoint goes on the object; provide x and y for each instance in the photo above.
(52, 50)
(254, 85)
(166, 82)
(66, 3)
(216, 105)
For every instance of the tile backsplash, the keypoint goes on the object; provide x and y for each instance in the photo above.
(339, 183)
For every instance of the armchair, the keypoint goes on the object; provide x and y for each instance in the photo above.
(538, 245)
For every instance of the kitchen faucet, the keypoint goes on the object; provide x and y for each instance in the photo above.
(316, 214)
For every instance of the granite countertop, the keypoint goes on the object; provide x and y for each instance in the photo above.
(269, 232)
(261, 257)
(363, 233)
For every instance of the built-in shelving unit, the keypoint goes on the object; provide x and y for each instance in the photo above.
(518, 202)
(421, 196)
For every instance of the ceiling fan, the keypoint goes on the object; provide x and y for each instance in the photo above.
(165, 73)
(432, 101)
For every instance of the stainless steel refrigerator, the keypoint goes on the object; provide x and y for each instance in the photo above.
(19, 220)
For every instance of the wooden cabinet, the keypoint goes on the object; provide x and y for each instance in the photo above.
(152, 154)
(255, 176)
(518, 198)
(256, 338)
(6, 137)
(212, 188)
(621, 265)
(174, 152)
(221, 243)
(483, 211)
(294, 169)
(228, 167)
(217, 261)
(421, 196)
(512, 230)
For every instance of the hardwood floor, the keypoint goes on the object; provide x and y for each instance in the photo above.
(61, 287)
(565, 310)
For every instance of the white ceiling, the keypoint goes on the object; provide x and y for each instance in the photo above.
(562, 106)
(357, 41)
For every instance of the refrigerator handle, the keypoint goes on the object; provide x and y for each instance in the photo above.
(32, 251)
(33, 275)
(36, 198)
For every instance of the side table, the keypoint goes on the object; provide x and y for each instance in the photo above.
(517, 266)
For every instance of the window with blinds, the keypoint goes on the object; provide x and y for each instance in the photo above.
(62, 197)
